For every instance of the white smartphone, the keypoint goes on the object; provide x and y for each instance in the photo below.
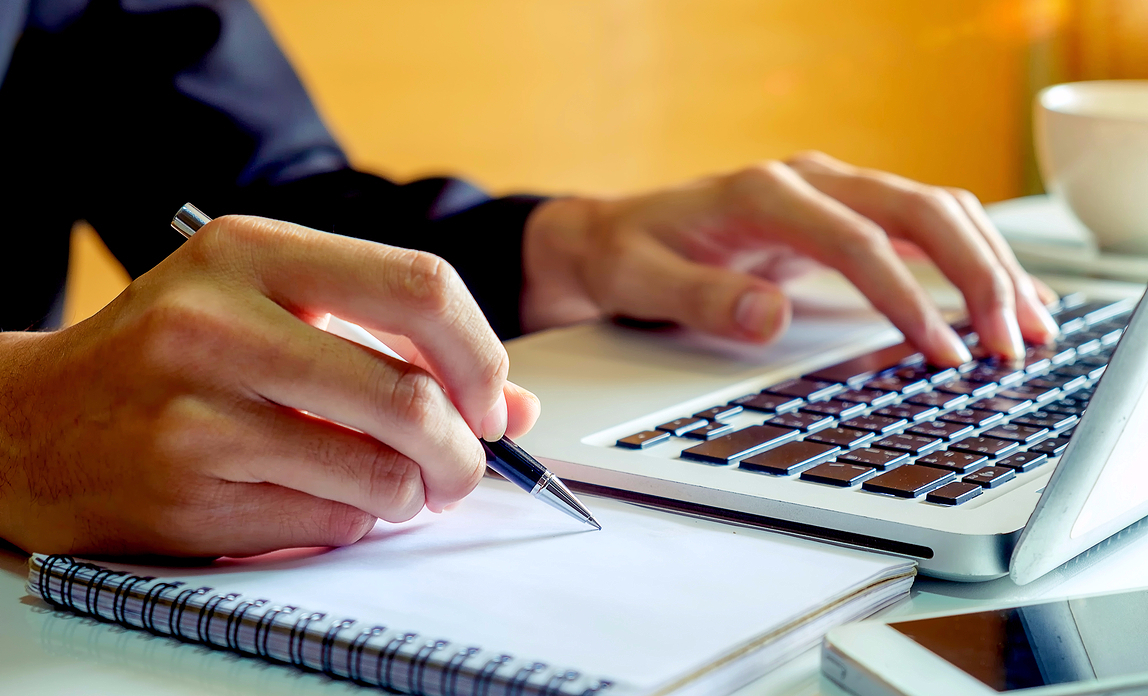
(1086, 645)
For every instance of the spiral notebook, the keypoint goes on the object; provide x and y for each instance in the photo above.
(503, 596)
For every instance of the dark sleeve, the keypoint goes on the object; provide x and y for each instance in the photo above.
(118, 112)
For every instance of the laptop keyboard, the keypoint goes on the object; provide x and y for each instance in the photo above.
(888, 423)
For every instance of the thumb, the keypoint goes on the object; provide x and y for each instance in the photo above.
(663, 285)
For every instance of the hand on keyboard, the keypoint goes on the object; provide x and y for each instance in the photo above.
(708, 255)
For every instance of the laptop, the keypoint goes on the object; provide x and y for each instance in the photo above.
(841, 433)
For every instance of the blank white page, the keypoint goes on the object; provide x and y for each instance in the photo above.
(650, 597)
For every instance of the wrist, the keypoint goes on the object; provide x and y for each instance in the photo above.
(556, 244)
(17, 423)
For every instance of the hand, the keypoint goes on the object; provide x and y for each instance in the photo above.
(709, 255)
(198, 413)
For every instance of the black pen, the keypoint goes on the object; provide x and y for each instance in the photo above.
(505, 457)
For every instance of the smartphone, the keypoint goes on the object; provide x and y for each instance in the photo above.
(1086, 645)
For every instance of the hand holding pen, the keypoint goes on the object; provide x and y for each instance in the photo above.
(176, 420)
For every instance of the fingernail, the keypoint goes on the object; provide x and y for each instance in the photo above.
(1014, 337)
(1048, 322)
(756, 313)
(494, 424)
(958, 352)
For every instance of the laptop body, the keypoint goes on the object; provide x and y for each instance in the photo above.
(602, 383)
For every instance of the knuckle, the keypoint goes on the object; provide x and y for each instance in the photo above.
(414, 399)
(996, 283)
(427, 282)
(768, 173)
(395, 484)
(811, 158)
(173, 321)
(964, 196)
(345, 525)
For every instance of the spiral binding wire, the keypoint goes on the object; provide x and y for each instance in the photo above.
(210, 607)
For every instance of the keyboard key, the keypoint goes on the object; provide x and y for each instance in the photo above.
(874, 424)
(1052, 447)
(874, 398)
(941, 429)
(999, 374)
(960, 462)
(1079, 370)
(1071, 405)
(1090, 345)
(1023, 461)
(789, 458)
(644, 439)
(876, 458)
(718, 413)
(908, 481)
(1001, 404)
(804, 422)
(905, 442)
(973, 417)
(739, 444)
(910, 412)
(954, 493)
(1047, 419)
(940, 399)
(833, 407)
(770, 403)
(842, 474)
(1036, 360)
(681, 426)
(845, 438)
(808, 389)
(988, 446)
(990, 476)
(966, 387)
(1055, 381)
(929, 373)
(1025, 392)
(710, 430)
(898, 384)
(854, 372)
(1054, 355)
(1017, 432)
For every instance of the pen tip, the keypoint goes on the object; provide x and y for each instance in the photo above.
(594, 522)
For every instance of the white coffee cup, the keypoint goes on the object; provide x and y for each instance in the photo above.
(1092, 148)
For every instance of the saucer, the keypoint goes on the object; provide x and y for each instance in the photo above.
(1047, 237)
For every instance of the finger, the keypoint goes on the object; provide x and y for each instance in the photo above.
(380, 287)
(1036, 324)
(1046, 294)
(260, 518)
(777, 200)
(322, 459)
(523, 409)
(654, 283)
(933, 220)
(394, 402)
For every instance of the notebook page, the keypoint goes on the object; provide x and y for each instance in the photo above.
(650, 597)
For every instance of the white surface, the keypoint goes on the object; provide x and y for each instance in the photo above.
(647, 600)
(1092, 147)
(1047, 237)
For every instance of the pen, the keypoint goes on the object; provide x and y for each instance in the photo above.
(505, 457)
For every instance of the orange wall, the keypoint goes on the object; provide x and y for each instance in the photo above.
(616, 95)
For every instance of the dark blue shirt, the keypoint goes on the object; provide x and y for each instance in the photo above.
(119, 111)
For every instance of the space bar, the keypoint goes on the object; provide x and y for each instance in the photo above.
(857, 370)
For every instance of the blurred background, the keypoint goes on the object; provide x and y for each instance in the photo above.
(613, 96)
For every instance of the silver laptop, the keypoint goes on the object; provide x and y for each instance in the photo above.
(839, 433)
